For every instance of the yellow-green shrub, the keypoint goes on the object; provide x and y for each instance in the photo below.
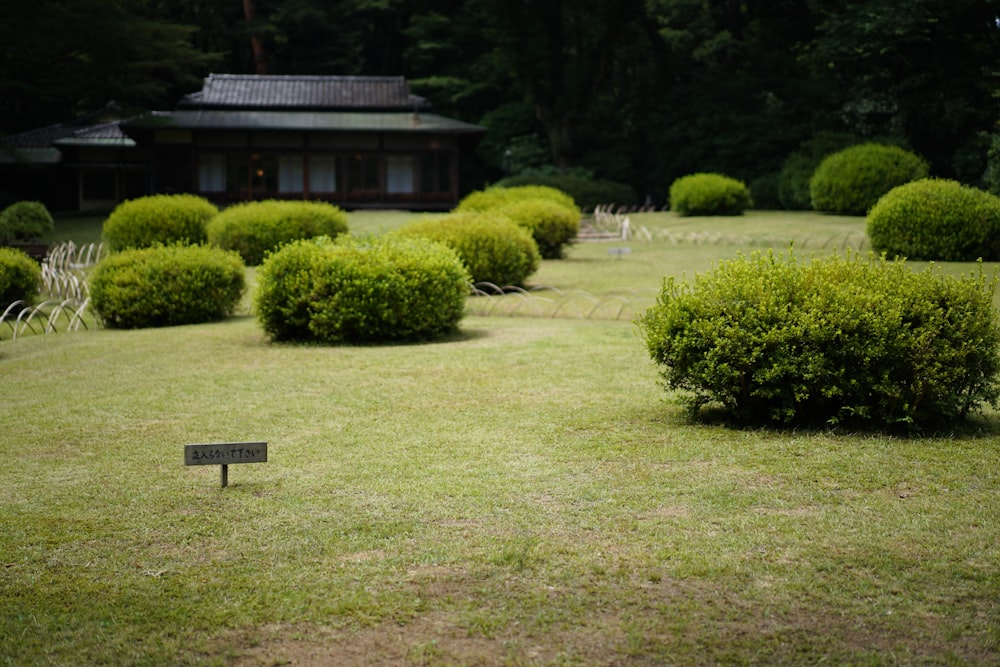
(936, 219)
(850, 181)
(492, 247)
(255, 228)
(550, 215)
(384, 289)
(25, 221)
(158, 220)
(552, 225)
(20, 277)
(709, 194)
(832, 341)
(166, 286)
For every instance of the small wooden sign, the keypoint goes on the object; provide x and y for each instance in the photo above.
(224, 453)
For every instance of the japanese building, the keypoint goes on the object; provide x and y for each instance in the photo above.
(354, 141)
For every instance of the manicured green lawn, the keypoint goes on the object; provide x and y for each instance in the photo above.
(522, 493)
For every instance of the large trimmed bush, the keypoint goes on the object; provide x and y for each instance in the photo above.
(20, 277)
(709, 194)
(833, 341)
(25, 221)
(158, 220)
(492, 247)
(850, 181)
(166, 286)
(348, 290)
(936, 219)
(254, 229)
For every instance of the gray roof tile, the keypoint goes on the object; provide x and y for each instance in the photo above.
(236, 91)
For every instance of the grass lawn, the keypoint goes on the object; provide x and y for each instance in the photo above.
(522, 493)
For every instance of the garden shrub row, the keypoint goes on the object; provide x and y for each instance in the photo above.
(834, 341)
(350, 290)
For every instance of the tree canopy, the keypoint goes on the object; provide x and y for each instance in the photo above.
(638, 91)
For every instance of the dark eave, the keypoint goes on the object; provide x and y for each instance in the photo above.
(327, 121)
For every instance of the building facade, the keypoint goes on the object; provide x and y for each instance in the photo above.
(354, 141)
(359, 142)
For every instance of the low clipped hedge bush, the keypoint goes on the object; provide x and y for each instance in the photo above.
(850, 181)
(255, 228)
(936, 219)
(709, 194)
(496, 197)
(158, 220)
(20, 277)
(493, 248)
(25, 221)
(800, 165)
(550, 215)
(553, 226)
(587, 192)
(166, 286)
(348, 290)
(835, 341)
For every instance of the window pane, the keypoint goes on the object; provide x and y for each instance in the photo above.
(322, 173)
(290, 173)
(399, 174)
(364, 173)
(212, 173)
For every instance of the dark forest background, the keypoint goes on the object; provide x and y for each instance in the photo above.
(634, 91)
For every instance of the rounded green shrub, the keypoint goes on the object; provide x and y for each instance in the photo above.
(256, 228)
(25, 221)
(158, 220)
(552, 225)
(709, 194)
(587, 192)
(166, 286)
(936, 219)
(492, 247)
(491, 198)
(834, 341)
(550, 215)
(800, 165)
(20, 277)
(850, 181)
(348, 290)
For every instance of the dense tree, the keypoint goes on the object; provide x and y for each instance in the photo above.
(59, 58)
(641, 91)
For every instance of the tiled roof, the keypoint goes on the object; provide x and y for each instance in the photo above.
(100, 128)
(100, 125)
(242, 91)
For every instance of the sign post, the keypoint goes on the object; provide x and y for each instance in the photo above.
(224, 453)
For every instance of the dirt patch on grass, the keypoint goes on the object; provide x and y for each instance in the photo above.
(431, 639)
